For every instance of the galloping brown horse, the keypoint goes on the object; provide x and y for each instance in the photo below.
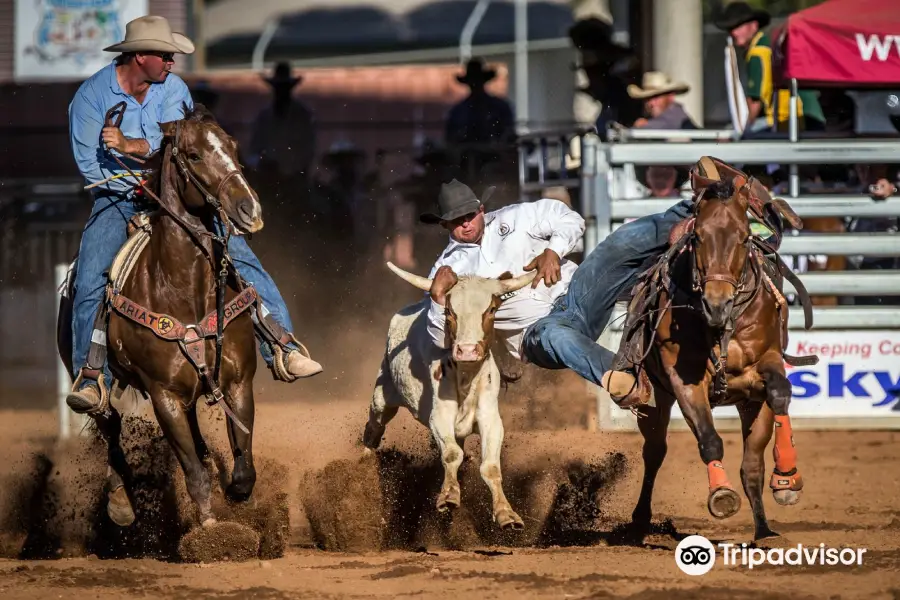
(164, 318)
(715, 325)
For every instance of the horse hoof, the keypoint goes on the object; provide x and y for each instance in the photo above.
(238, 493)
(723, 503)
(448, 500)
(118, 507)
(508, 520)
(787, 497)
(216, 542)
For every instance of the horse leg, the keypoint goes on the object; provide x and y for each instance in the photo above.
(243, 475)
(786, 481)
(118, 506)
(756, 427)
(196, 435)
(653, 423)
(176, 427)
(723, 501)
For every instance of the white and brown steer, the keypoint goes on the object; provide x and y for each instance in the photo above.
(451, 391)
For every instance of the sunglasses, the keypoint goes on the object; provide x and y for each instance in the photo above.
(164, 56)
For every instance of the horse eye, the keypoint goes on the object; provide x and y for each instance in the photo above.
(194, 157)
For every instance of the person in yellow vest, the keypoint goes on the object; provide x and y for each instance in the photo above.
(769, 106)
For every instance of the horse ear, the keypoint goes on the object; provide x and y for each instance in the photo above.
(168, 129)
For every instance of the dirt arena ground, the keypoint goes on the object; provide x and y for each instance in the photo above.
(323, 524)
(572, 486)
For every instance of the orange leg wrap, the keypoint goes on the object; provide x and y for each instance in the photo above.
(784, 451)
(717, 476)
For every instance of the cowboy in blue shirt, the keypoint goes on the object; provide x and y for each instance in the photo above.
(139, 76)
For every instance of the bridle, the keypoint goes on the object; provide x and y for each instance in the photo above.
(698, 279)
(211, 198)
(746, 288)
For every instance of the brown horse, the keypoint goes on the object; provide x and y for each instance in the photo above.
(715, 325)
(164, 353)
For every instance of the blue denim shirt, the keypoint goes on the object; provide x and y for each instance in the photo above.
(87, 112)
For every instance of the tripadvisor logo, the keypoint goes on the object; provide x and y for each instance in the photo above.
(696, 555)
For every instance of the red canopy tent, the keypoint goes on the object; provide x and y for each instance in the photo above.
(843, 42)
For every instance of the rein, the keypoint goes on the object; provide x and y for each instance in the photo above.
(190, 338)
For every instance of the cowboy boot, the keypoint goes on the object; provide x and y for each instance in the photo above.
(86, 400)
(626, 390)
(300, 365)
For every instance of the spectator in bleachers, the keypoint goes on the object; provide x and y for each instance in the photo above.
(768, 107)
(284, 136)
(609, 68)
(661, 182)
(480, 118)
(882, 187)
(479, 128)
(658, 92)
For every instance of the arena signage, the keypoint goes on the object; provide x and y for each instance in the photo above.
(858, 375)
(878, 46)
(62, 40)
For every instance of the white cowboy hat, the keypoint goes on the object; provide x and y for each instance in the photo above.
(152, 34)
(656, 83)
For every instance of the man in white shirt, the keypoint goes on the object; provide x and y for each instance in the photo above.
(516, 238)
(565, 310)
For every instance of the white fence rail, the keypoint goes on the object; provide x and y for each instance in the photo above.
(857, 381)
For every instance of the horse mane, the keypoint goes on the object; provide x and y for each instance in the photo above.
(722, 190)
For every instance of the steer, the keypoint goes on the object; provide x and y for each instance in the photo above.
(452, 390)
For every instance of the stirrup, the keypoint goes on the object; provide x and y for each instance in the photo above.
(279, 358)
(101, 408)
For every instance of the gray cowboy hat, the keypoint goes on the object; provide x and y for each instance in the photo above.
(738, 13)
(152, 34)
(476, 73)
(455, 200)
(281, 75)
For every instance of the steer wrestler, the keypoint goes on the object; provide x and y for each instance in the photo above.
(516, 238)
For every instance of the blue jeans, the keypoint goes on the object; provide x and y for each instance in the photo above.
(104, 234)
(567, 337)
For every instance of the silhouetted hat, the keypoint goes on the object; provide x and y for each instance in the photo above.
(738, 13)
(281, 75)
(476, 72)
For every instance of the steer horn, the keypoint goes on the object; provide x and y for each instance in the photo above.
(511, 285)
(423, 283)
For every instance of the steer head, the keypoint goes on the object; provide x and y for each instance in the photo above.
(470, 309)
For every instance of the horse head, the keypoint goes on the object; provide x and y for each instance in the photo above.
(207, 158)
(720, 243)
